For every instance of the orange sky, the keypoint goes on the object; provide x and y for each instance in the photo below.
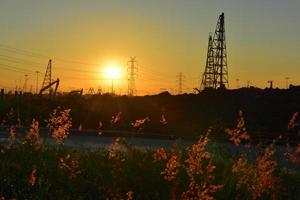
(167, 38)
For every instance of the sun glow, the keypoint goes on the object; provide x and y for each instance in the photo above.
(112, 72)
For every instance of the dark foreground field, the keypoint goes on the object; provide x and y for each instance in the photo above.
(266, 111)
(34, 168)
(221, 160)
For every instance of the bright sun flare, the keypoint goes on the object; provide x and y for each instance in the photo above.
(112, 72)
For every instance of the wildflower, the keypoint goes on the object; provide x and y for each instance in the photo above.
(259, 179)
(197, 191)
(172, 168)
(59, 124)
(139, 122)
(163, 120)
(239, 133)
(200, 168)
(129, 195)
(8, 117)
(114, 194)
(293, 121)
(32, 177)
(160, 154)
(100, 125)
(293, 155)
(116, 119)
(80, 128)
(298, 148)
(11, 139)
(71, 164)
(113, 148)
(114, 151)
(32, 136)
(173, 163)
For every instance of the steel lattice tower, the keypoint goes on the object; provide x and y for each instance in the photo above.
(216, 71)
(48, 78)
(180, 83)
(131, 77)
(220, 58)
(209, 73)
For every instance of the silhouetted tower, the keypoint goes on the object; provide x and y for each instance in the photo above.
(25, 83)
(216, 72)
(237, 83)
(47, 78)
(287, 82)
(131, 76)
(91, 91)
(271, 84)
(220, 57)
(248, 84)
(209, 73)
(180, 82)
(37, 82)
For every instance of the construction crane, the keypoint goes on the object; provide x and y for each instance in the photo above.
(56, 83)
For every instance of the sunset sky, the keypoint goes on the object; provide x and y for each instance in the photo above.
(82, 37)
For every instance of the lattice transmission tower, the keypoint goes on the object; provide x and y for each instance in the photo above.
(132, 73)
(216, 69)
(48, 79)
(180, 83)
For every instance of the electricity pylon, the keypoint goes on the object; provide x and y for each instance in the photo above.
(180, 82)
(131, 76)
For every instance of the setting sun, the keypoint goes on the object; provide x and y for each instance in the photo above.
(112, 72)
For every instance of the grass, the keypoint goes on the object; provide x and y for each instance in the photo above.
(30, 169)
(100, 177)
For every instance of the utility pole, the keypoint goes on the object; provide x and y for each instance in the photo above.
(271, 83)
(180, 82)
(112, 86)
(37, 82)
(19, 86)
(25, 83)
(237, 83)
(287, 82)
(131, 76)
(248, 84)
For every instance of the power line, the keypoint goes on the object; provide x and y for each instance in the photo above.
(18, 60)
(146, 75)
(36, 55)
(15, 69)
